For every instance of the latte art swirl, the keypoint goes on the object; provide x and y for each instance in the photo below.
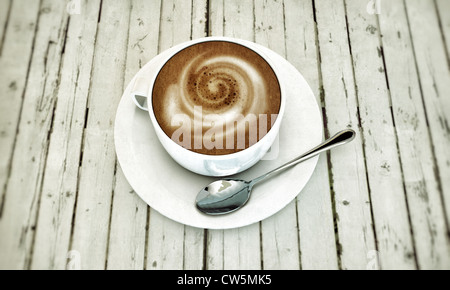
(223, 85)
(220, 83)
(226, 83)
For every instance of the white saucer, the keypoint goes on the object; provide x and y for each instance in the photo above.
(171, 190)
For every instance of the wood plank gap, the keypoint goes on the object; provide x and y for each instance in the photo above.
(314, 11)
(260, 223)
(86, 116)
(223, 17)
(297, 225)
(361, 132)
(332, 193)
(110, 215)
(335, 213)
(363, 141)
(64, 44)
(205, 248)
(319, 59)
(147, 226)
(5, 27)
(192, 23)
(76, 191)
(183, 266)
(381, 51)
(223, 247)
(100, 12)
(254, 40)
(207, 14)
(9, 168)
(433, 152)
(447, 51)
(285, 44)
(160, 21)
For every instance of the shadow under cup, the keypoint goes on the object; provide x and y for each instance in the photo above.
(195, 79)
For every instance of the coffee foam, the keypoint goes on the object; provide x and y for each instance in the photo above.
(228, 81)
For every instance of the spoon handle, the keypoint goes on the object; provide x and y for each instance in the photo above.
(340, 138)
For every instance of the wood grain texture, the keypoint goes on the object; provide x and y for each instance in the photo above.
(129, 221)
(393, 232)
(5, 12)
(29, 159)
(381, 202)
(423, 192)
(443, 8)
(19, 38)
(434, 78)
(348, 175)
(98, 165)
(314, 208)
(60, 182)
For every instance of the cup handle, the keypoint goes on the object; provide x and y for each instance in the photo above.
(139, 93)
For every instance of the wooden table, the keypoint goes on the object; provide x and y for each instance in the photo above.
(379, 67)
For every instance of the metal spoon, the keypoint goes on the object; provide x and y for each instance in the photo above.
(228, 195)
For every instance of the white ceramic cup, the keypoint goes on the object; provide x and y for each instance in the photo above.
(209, 165)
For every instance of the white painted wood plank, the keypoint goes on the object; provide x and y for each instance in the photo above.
(239, 19)
(59, 187)
(30, 153)
(199, 19)
(129, 214)
(216, 21)
(126, 250)
(269, 25)
(241, 249)
(194, 248)
(443, 8)
(348, 175)
(165, 243)
(143, 36)
(314, 208)
(235, 248)
(434, 79)
(393, 231)
(280, 249)
(423, 194)
(214, 250)
(172, 245)
(91, 229)
(5, 6)
(301, 41)
(15, 62)
(315, 222)
(176, 17)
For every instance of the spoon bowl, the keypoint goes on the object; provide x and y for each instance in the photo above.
(223, 196)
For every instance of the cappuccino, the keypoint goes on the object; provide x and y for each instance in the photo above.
(216, 97)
